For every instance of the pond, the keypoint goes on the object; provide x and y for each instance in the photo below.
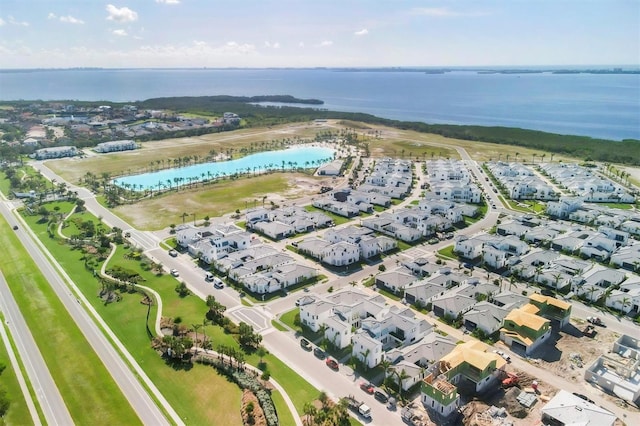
(287, 159)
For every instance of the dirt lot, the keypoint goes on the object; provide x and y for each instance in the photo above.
(573, 352)
(478, 411)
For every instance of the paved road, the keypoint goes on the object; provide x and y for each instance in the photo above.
(143, 405)
(53, 407)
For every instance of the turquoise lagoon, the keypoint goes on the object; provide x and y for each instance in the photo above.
(291, 158)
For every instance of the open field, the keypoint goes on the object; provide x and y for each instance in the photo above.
(391, 142)
(79, 374)
(218, 199)
(141, 160)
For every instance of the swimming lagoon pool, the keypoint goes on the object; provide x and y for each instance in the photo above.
(287, 159)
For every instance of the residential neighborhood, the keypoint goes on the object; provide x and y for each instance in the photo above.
(422, 279)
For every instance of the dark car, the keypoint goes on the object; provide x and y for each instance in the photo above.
(380, 396)
(15, 227)
(305, 344)
(367, 387)
(332, 364)
(319, 353)
(546, 292)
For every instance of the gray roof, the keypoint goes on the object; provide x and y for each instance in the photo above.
(571, 410)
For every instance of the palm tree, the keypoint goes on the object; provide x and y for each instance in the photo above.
(365, 355)
(183, 216)
(324, 399)
(196, 327)
(310, 411)
(401, 375)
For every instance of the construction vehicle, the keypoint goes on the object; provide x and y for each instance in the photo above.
(510, 380)
(589, 331)
(359, 407)
(595, 321)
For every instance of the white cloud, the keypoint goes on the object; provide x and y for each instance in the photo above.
(233, 47)
(71, 20)
(121, 33)
(362, 32)
(168, 1)
(325, 43)
(274, 45)
(1, 22)
(51, 15)
(301, 44)
(12, 21)
(123, 14)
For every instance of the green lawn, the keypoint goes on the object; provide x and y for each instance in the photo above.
(448, 252)
(621, 206)
(18, 413)
(288, 318)
(79, 374)
(197, 392)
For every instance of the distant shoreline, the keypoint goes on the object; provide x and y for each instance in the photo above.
(610, 69)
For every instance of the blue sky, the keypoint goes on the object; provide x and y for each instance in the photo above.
(310, 33)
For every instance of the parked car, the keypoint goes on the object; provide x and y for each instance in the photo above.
(319, 353)
(367, 387)
(380, 396)
(175, 272)
(506, 357)
(305, 344)
(433, 241)
(332, 364)
(173, 253)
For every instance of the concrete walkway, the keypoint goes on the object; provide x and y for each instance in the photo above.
(155, 294)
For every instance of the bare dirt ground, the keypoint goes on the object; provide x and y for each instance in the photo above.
(478, 411)
(573, 351)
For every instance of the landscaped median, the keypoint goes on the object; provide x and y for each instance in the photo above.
(195, 391)
(79, 374)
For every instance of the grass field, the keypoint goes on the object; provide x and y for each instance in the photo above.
(212, 200)
(196, 392)
(78, 372)
(18, 413)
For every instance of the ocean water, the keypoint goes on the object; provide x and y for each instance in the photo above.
(304, 157)
(597, 105)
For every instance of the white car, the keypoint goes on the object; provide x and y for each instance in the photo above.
(175, 272)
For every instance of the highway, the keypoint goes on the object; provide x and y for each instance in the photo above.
(53, 407)
(137, 396)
